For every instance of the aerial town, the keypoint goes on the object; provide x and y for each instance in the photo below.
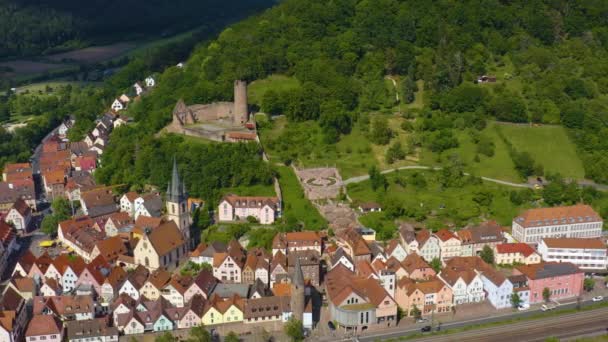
(303, 170)
(114, 267)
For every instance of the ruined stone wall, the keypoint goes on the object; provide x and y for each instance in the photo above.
(213, 111)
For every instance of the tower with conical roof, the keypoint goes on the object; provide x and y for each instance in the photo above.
(177, 203)
(297, 291)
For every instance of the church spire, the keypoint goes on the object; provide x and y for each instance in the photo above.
(176, 190)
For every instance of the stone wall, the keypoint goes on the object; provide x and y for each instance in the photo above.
(213, 111)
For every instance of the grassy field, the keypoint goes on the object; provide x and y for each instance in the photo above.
(257, 89)
(296, 206)
(436, 206)
(549, 145)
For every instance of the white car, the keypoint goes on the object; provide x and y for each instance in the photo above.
(544, 308)
(523, 307)
(597, 298)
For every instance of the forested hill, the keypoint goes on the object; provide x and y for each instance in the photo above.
(550, 57)
(30, 27)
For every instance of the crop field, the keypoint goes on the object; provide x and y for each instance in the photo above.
(94, 54)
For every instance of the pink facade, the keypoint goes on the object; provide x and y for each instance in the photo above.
(562, 285)
(422, 273)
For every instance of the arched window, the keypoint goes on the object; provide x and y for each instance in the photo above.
(172, 208)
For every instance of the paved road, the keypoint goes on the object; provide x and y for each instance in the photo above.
(562, 326)
(571, 323)
(359, 179)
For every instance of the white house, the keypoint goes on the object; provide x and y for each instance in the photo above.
(65, 126)
(466, 285)
(340, 257)
(150, 82)
(130, 288)
(127, 203)
(498, 288)
(395, 249)
(117, 105)
(577, 221)
(149, 205)
(264, 209)
(138, 88)
(449, 244)
(428, 245)
(19, 215)
(588, 254)
(226, 268)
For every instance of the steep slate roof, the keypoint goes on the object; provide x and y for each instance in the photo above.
(237, 201)
(166, 238)
(116, 277)
(99, 202)
(206, 281)
(548, 270)
(519, 247)
(153, 204)
(574, 243)
(266, 307)
(486, 232)
(557, 215)
(43, 325)
(96, 327)
(338, 255)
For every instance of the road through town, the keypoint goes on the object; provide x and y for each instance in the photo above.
(561, 326)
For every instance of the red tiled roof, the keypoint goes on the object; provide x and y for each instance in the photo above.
(523, 248)
(574, 243)
(557, 215)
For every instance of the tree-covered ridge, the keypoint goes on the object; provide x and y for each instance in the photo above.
(29, 27)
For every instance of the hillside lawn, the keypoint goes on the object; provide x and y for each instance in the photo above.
(257, 89)
(295, 205)
(549, 145)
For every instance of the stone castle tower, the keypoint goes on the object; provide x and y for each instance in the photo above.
(240, 112)
(177, 204)
(297, 292)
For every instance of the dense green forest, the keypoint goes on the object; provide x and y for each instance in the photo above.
(549, 58)
(30, 27)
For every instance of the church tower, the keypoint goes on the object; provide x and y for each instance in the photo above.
(177, 204)
(297, 292)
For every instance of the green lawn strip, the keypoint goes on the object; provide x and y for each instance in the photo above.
(549, 145)
(257, 89)
(295, 204)
(251, 190)
(556, 312)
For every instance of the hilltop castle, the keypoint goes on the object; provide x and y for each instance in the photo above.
(229, 111)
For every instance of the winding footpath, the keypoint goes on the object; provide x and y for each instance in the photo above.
(359, 179)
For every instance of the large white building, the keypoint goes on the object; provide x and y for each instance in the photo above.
(588, 254)
(577, 221)
(264, 209)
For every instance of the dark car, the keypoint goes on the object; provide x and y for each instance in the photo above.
(331, 326)
(426, 328)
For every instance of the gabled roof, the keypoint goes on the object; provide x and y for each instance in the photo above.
(138, 276)
(116, 277)
(414, 262)
(22, 208)
(250, 201)
(111, 248)
(339, 254)
(205, 281)
(166, 238)
(159, 278)
(445, 235)
(43, 325)
(91, 328)
(356, 242)
(520, 247)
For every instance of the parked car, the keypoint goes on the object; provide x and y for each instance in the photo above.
(422, 320)
(331, 326)
(597, 298)
(426, 328)
(544, 308)
(523, 307)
